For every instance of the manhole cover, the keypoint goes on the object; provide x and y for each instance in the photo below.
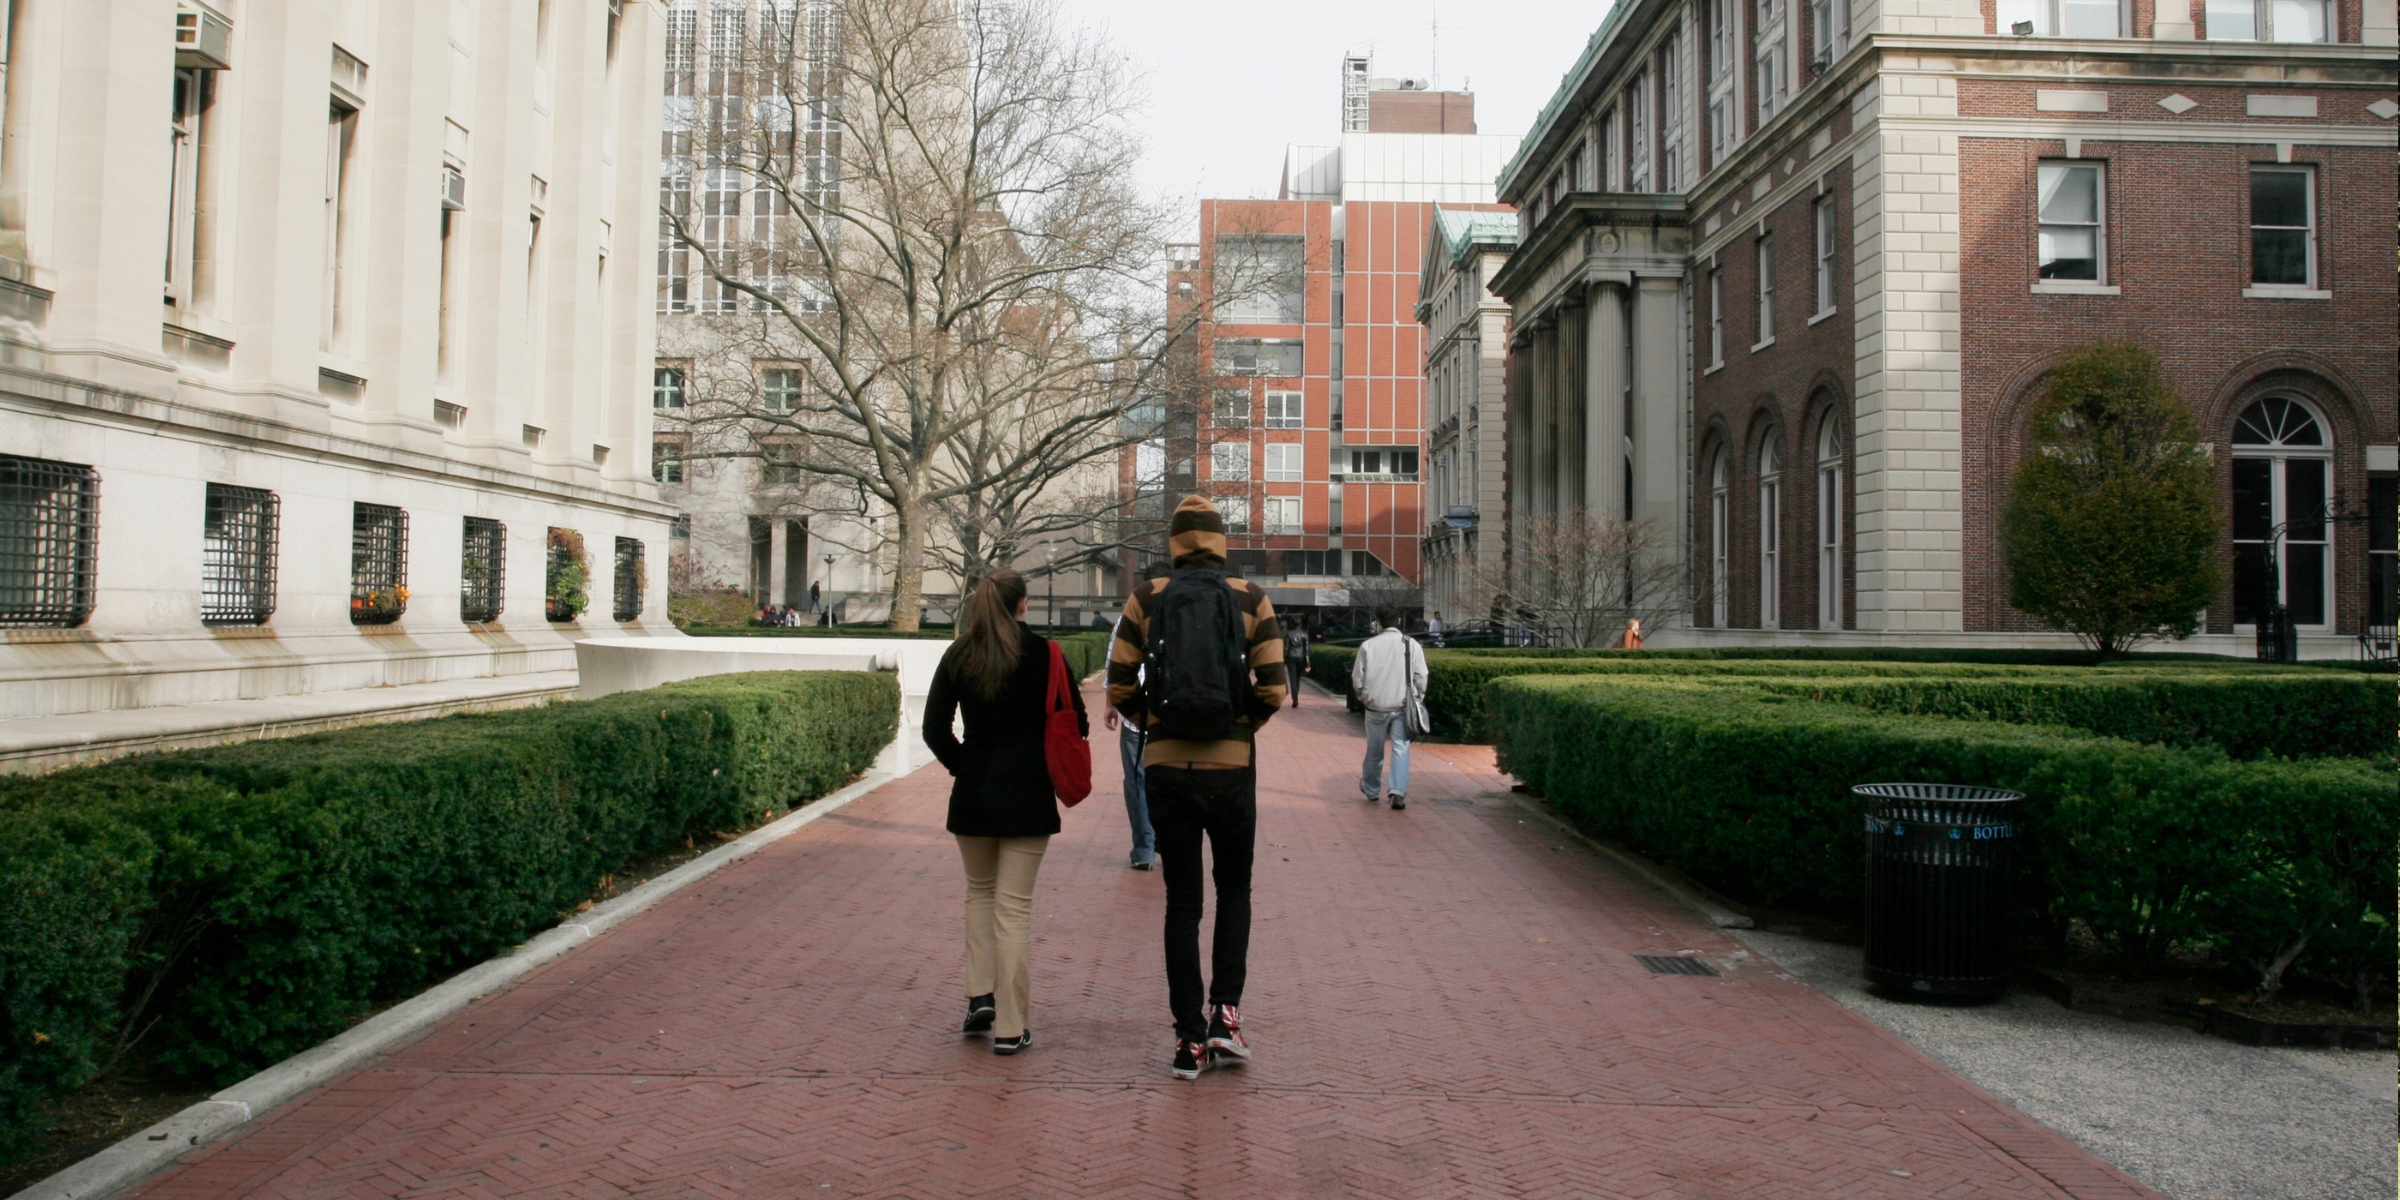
(1669, 964)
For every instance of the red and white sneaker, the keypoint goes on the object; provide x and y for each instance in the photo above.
(1225, 1033)
(1191, 1058)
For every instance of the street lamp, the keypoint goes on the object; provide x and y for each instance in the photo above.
(1050, 582)
(827, 618)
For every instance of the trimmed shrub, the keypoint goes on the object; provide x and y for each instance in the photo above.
(1086, 652)
(2152, 847)
(234, 905)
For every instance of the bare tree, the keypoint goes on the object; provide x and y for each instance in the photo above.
(923, 214)
(1577, 579)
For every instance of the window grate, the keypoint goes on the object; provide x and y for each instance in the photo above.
(378, 564)
(483, 571)
(49, 533)
(1672, 964)
(237, 562)
(629, 578)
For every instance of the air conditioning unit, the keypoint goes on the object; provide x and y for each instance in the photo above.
(202, 39)
(454, 188)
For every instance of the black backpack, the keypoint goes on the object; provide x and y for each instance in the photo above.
(1196, 673)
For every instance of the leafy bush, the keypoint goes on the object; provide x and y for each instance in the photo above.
(2152, 847)
(1086, 652)
(234, 905)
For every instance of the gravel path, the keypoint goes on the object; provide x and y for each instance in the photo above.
(2198, 1118)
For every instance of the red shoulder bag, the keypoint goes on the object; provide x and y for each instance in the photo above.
(1063, 746)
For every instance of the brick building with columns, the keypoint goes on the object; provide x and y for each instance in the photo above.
(1790, 277)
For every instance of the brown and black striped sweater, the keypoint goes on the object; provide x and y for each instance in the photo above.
(1268, 687)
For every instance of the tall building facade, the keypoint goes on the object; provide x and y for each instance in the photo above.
(1791, 277)
(1466, 406)
(310, 395)
(1309, 430)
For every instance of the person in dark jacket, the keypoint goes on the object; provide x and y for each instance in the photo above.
(1002, 809)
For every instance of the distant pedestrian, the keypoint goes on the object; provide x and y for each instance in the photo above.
(1295, 659)
(1433, 628)
(1137, 801)
(816, 597)
(1386, 676)
(1198, 660)
(1002, 809)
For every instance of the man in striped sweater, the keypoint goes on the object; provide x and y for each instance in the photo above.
(1201, 788)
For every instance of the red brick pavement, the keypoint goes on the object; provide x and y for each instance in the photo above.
(1444, 1001)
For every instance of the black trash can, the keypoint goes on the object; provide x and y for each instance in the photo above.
(1940, 882)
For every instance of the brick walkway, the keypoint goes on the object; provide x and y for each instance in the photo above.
(1444, 1001)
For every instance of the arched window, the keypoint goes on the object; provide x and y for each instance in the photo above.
(1720, 538)
(1829, 523)
(2282, 492)
(1770, 535)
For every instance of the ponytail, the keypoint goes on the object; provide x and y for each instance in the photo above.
(985, 652)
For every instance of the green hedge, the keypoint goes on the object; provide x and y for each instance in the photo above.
(1994, 656)
(1086, 652)
(235, 905)
(2153, 847)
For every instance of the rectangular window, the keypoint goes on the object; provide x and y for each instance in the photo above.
(779, 390)
(49, 537)
(1283, 515)
(1396, 462)
(1273, 357)
(1670, 114)
(2283, 231)
(195, 91)
(1232, 409)
(1283, 462)
(666, 388)
(1824, 254)
(1236, 512)
(1365, 563)
(378, 564)
(1229, 461)
(341, 136)
(237, 556)
(1285, 410)
(1612, 159)
(1716, 318)
(1260, 280)
(1766, 289)
(2071, 217)
(2070, 18)
(1637, 145)
(2270, 20)
(666, 460)
(2383, 550)
(482, 570)
(631, 579)
(778, 463)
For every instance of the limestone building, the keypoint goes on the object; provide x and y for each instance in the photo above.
(1790, 275)
(311, 395)
(1466, 404)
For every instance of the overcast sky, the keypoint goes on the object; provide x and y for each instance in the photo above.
(1230, 83)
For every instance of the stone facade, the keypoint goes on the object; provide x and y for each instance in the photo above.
(1466, 402)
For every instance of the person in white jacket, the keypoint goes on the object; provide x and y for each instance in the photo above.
(1388, 672)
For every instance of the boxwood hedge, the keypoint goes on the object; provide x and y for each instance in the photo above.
(2153, 847)
(230, 906)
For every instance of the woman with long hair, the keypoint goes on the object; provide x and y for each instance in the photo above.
(996, 675)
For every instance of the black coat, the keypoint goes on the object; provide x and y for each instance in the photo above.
(1000, 780)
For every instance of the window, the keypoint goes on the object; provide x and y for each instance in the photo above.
(1829, 30)
(1824, 254)
(1232, 409)
(1767, 79)
(1365, 563)
(1612, 158)
(1720, 540)
(1236, 512)
(2383, 554)
(49, 535)
(2064, 18)
(341, 137)
(2282, 491)
(2283, 239)
(378, 564)
(1397, 461)
(666, 460)
(2068, 206)
(779, 463)
(1283, 515)
(1229, 461)
(2270, 20)
(1716, 318)
(631, 579)
(1260, 280)
(1637, 144)
(1770, 537)
(1275, 357)
(1670, 114)
(666, 388)
(192, 130)
(1285, 410)
(482, 570)
(1766, 290)
(237, 555)
(1829, 524)
(1283, 462)
(779, 390)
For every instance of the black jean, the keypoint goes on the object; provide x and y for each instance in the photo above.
(1186, 803)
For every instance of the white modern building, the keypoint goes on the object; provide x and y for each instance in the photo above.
(300, 399)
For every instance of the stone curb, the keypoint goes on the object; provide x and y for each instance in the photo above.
(140, 1155)
(1716, 914)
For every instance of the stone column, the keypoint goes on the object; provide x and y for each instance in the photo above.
(1604, 400)
(1544, 425)
(1517, 439)
(1573, 415)
(1657, 416)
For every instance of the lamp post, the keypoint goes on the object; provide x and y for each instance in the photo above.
(1050, 582)
(828, 603)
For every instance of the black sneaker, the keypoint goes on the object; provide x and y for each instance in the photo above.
(979, 1014)
(1225, 1033)
(1005, 1046)
(1399, 802)
(1191, 1058)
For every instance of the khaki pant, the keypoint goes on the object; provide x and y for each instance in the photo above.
(1000, 875)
